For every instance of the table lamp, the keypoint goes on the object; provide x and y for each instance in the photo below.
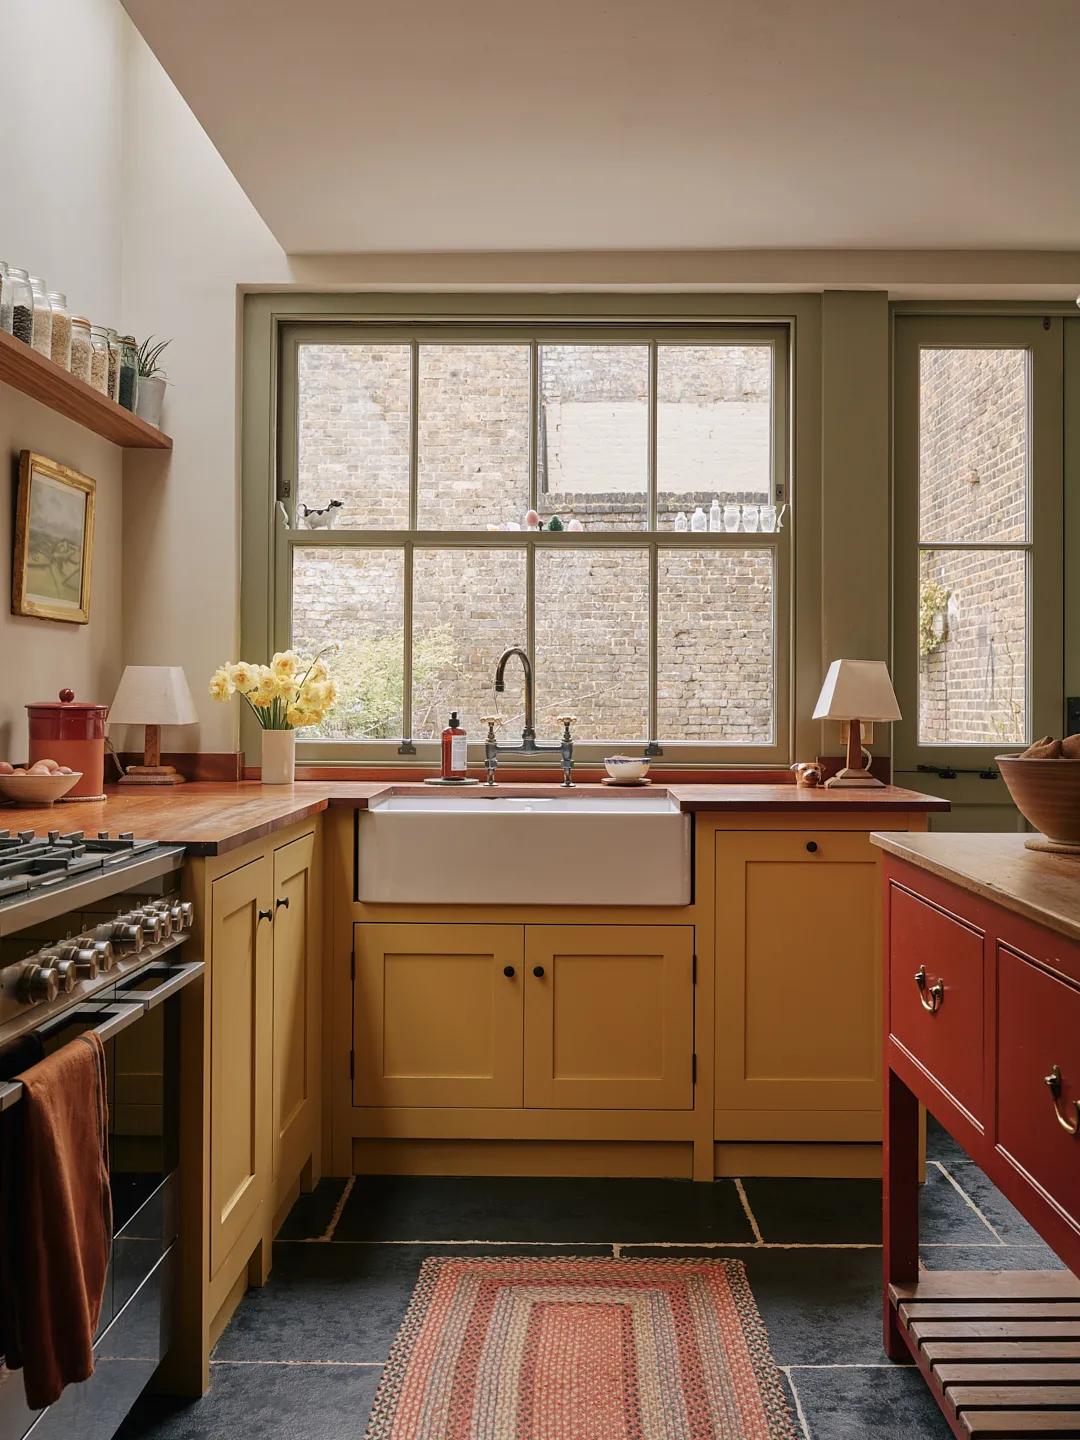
(152, 696)
(857, 691)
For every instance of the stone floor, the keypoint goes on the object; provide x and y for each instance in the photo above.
(302, 1357)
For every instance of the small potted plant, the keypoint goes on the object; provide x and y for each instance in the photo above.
(284, 695)
(152, 380)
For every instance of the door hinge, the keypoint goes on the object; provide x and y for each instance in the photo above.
(693, 970)
(352, 964)
(693, 1068)
(352, 1064)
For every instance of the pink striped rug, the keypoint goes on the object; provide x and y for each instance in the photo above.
(570, 1348)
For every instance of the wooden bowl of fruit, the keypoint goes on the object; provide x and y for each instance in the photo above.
(41, 784)
(1044, 783)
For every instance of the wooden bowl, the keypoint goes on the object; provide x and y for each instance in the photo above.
(26, 789)
(1047, 794)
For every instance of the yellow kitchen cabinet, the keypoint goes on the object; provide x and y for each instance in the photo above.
(609, 1017)
(296, 975)
(241, 1050)
(437, 1015)
(797, 986)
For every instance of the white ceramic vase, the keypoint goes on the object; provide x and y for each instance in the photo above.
(148, 399)
(278, 757)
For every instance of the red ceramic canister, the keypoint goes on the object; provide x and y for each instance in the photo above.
(72, 733)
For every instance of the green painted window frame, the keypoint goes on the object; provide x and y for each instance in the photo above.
(274, 324)
(1043, 338)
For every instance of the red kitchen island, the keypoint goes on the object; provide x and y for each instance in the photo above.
(982, 1026)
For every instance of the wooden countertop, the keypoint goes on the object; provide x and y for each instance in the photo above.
(213, 817)
(1041, 886)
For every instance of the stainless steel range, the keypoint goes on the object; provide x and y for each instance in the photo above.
(91, 930)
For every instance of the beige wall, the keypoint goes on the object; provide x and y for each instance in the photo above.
(62, 166)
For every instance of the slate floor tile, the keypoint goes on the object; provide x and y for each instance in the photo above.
(338, 1302)
(995, 1257)
(313, 1213)
(820, 1307)
(1007, 1221)
(568, 1212)
(256, 1402)
(890, 1403)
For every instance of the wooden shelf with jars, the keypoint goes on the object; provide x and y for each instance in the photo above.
(26, 370)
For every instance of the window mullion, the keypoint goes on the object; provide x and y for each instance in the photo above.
(414, 434)
(651, 481)
(653, 746)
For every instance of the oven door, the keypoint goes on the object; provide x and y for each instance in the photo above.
(138, 1023)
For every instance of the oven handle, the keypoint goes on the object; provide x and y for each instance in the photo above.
(181, 976)
(116, 1019)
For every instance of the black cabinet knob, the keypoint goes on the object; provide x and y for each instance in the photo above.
(509, 971)
(811, 846)
(538, 971)
(282, 900)
(266, 915)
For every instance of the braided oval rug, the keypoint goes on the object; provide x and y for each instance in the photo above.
(574, 1348)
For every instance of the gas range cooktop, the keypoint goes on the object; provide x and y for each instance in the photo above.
(43, 875)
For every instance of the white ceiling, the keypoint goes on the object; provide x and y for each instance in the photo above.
(435, 125)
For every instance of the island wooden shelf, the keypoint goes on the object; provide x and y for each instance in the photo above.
(26, 370)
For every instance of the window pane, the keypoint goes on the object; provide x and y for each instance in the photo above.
(354, 597)
(473, 436)
(593, 442)
(973, 445)
(713, 427)
(592, 642)
(468, 606)
(353, 433)
(973, 647)
(715, 618)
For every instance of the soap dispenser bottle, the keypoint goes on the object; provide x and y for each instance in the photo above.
(455, 752)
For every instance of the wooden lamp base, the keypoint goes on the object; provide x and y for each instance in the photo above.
(855, 774)
(151, 771)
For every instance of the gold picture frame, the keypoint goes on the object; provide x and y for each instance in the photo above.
(54, 541)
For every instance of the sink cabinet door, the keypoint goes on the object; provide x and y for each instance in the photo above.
(296, 1007)
(436, 1017)
(798, 986)
(241, 1010)
(609, 1024)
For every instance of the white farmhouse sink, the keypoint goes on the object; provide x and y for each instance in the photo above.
(469, 848)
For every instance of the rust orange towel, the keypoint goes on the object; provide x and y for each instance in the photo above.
(66, 1217)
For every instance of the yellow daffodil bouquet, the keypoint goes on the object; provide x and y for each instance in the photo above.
(283, 695)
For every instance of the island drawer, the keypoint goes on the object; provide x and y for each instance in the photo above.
(936, 995)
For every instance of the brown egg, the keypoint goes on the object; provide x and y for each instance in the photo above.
(41, 768)
(65, 770)
(6, 767)
(53, 765)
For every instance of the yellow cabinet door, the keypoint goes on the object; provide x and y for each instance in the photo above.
(437, 1015)
(798, 985)
(609, 1017)
(296, 1009)
(241, 999)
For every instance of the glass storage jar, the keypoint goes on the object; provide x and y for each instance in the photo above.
(22, 304)
(750, 517)
(41, 335)
(129, 373)
(5, 298)
(80, 347)
(61, 329)
(99, 358)
(113, 391)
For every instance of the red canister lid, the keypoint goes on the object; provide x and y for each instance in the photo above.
(65, 705)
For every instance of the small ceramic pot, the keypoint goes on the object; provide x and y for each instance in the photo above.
(278, 757)
(148, 399)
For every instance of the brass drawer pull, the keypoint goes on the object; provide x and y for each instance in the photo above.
(936, 992)
(1053, 1084)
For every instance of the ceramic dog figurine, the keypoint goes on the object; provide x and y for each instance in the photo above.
(807, 774)
(324, 519)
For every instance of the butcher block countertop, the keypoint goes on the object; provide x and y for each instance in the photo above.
(213, 817)
(1037, 884)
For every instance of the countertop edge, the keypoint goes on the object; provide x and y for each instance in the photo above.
(894, 844)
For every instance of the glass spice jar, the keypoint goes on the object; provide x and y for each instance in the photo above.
(80, 347)
(99, 358)
(129, 373)
(61, 329)
(41, 335)
(113, 391)
(22, 304)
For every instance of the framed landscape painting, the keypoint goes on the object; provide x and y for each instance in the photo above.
(54, 541)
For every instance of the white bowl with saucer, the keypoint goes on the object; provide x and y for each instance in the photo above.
(627, 769)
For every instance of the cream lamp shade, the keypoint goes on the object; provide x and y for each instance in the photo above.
(856, 691)
(152, 695)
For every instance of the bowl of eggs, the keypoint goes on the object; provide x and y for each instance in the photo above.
(41, 784)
